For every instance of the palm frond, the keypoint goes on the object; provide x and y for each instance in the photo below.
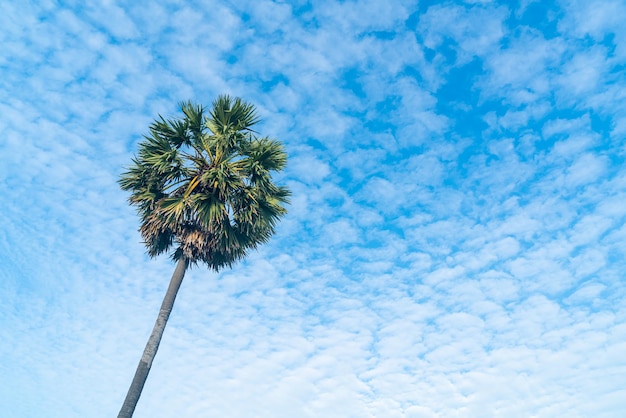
(236, 114)
(267, 153)
(176, 132)
(194, 118)
(203, 186)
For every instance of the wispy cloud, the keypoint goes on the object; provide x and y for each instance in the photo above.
(455, 243)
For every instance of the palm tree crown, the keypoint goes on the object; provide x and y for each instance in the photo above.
(202, 184)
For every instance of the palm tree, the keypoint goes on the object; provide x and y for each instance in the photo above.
(202, 186)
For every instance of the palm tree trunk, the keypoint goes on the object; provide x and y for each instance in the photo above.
(141, 374)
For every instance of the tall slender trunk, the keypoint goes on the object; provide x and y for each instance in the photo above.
(141, 374)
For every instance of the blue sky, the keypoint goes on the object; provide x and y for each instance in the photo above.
(455, 246)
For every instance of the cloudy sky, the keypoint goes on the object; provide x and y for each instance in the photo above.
(456, 241)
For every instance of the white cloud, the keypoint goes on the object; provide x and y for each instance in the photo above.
(523, 68)
(597, 19)
(308, 168)
(582, 74)
(476, 30)
(438, 259)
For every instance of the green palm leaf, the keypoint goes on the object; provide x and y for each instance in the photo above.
(202, 184)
